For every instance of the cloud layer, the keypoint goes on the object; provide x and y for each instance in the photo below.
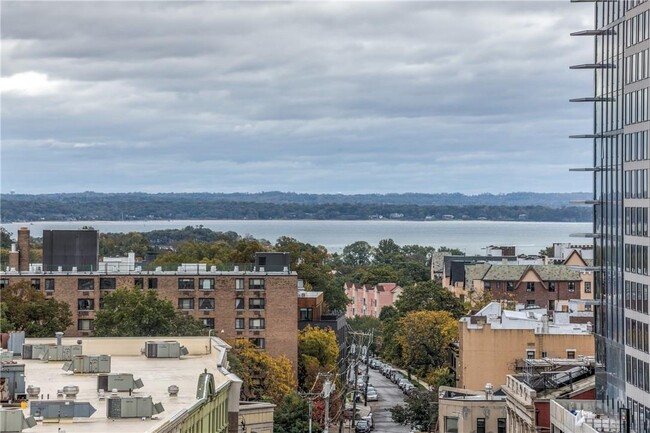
(345, 97)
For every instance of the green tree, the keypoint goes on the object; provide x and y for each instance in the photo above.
(23, 308)
(134, 313)
(357, 254)
(292, 416)
(420, 411)
(431, 296)
(387, 252)
(5, 247)
(548, 251)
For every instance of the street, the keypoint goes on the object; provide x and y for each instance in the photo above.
(389, 396)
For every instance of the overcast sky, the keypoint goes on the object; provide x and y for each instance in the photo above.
(318, 97)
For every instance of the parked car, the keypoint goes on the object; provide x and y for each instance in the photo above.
(362, 426)
(403, 383)
(372, 395)
(370, 419)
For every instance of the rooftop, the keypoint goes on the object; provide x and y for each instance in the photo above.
(157, 375)
(536, 319)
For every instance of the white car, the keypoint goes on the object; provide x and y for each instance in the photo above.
(372, 395)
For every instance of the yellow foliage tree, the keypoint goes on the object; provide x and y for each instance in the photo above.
(423, 338)
(318, 352)
(263, 377)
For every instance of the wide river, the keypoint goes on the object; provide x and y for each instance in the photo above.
(469, 236)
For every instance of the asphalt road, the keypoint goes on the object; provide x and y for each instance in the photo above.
(389, 396)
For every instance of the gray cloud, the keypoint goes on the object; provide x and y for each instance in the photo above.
(311, 97)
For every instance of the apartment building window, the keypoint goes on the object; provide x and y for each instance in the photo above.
(107, 284)
(239, 284)
(587, 287)
(510, 286)
(206, 283)
(571, 354)
(86, 284)
(49, 284)
(208, 322)
(530, 287)
(153, 283)
(186, 284)
(138, 283)
(480, 425)
(256, 303)
(551, 286)
(498, 285)
(239, 303)
(85, 325)
(256, 284)
(572, 286)
(306, 314)
(260, 343)
(501, 425)
(256, 324)
(530, 354)
(101, 303)
(551, 304)
(4, 283)
(186, 303)
(530, 303)
(487, 285)
(239, 323)
(36, 283)
(206, 304)
(85, 304)
(451, 424)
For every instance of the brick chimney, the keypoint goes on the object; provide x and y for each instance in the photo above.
(23, 249)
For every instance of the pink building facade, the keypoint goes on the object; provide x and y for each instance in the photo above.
(367, 300)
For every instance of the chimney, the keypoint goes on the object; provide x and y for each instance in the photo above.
(13, 257)
(23, 249)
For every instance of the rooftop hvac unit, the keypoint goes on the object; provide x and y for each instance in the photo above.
(12, 420)
(48, 409)
(164, 349)
(16, 341)
(63, 352)
(34, 351)
(89, 364)
(132, 407)
(6, 356)
(14, 376)
(51, 352)
(120, 382)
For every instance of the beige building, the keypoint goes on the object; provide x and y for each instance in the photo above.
(465, 411)
(207, 398)
(494, 341)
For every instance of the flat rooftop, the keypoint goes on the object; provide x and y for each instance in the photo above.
(157, 374)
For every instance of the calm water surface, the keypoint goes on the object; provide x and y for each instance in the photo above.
(469, 236)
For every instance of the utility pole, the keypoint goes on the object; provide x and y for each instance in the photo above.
(310, 415)
(354, 396)
(367, 377)
(328, 387)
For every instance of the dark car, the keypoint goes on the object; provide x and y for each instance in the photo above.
(362, 426)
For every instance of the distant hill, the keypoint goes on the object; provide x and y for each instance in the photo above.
(282, 205)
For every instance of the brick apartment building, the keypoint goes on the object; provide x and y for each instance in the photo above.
(367, 300)
(259, 303)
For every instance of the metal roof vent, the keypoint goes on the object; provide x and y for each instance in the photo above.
(173, 390)
(33, 391)
(70, 391)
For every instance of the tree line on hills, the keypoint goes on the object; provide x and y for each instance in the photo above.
(285, 206)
